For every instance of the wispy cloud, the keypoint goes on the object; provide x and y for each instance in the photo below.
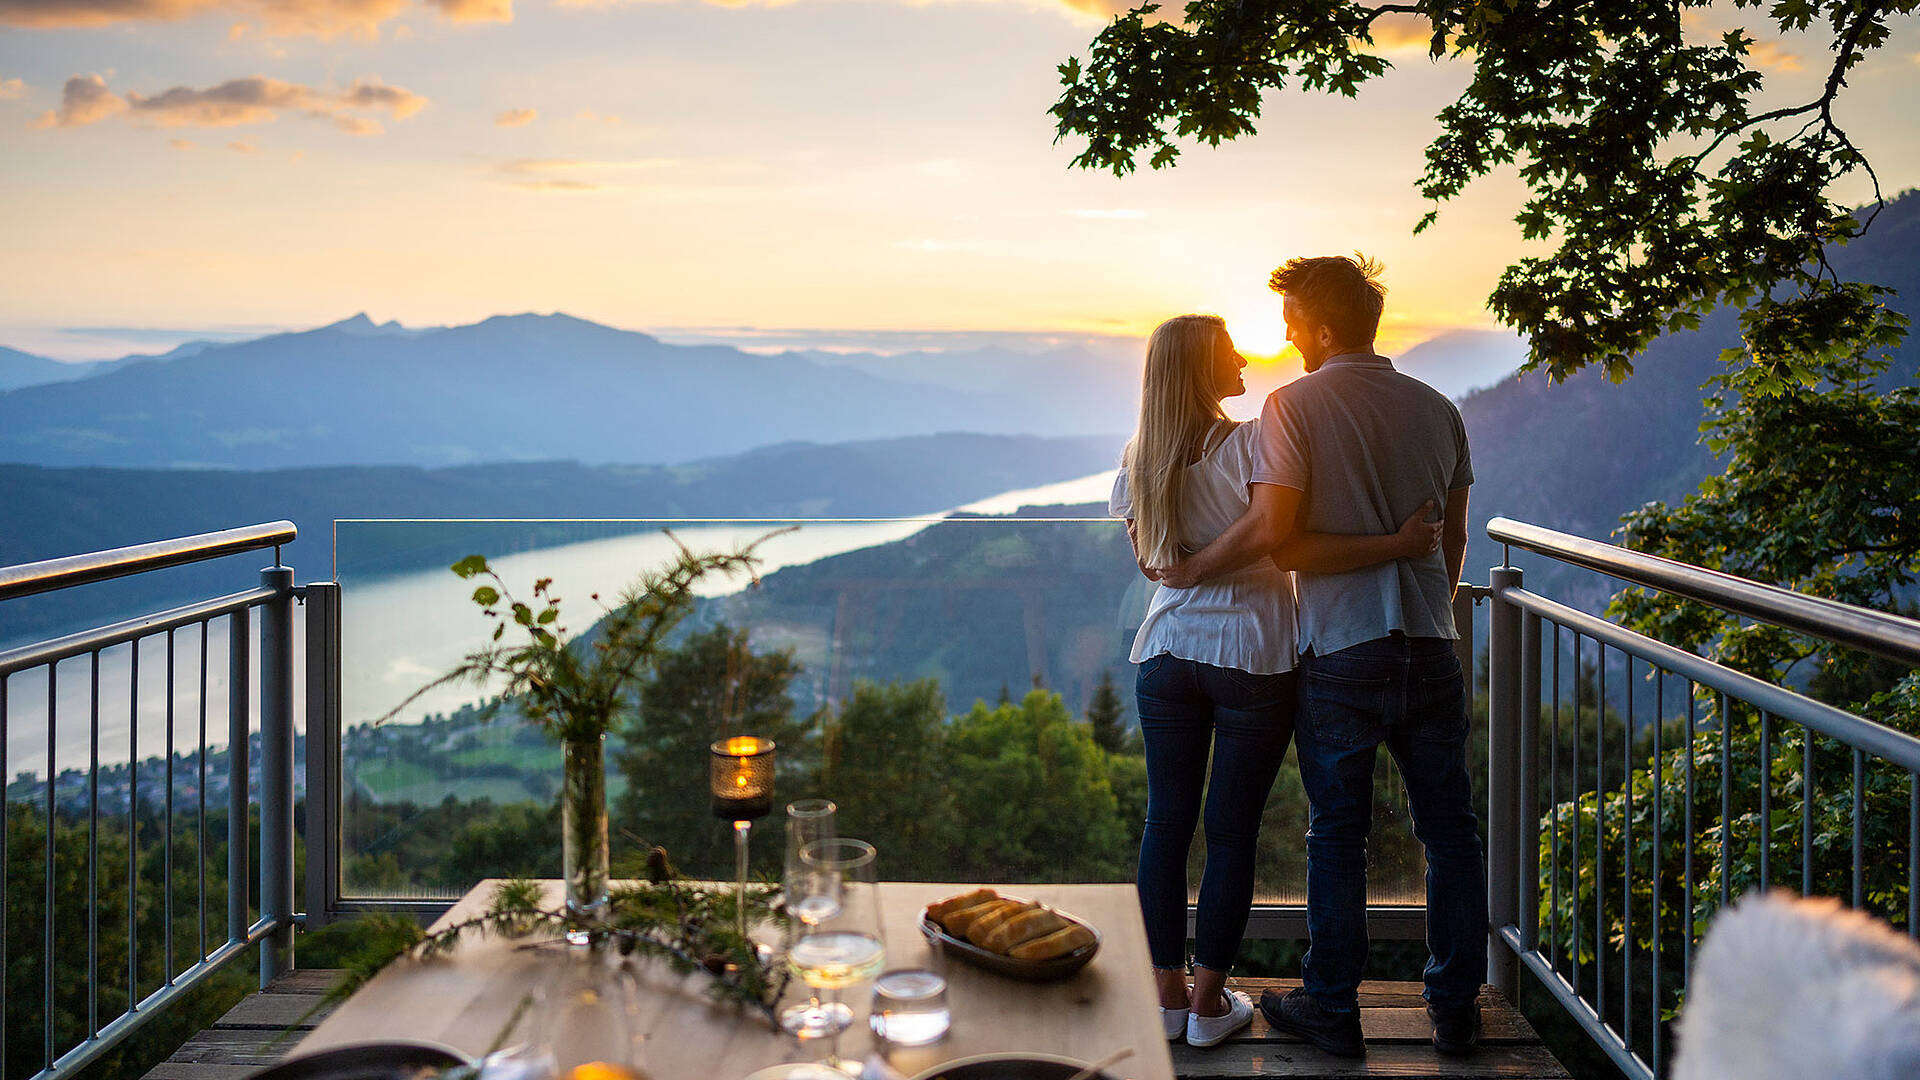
(243, 146)
(516, 117)
(256, 99)
(575, 174)
(12, 89)
(181, 144)
(939, 247)
(319, 18)
(1110, 215)
(1773, 56)
(562, 185)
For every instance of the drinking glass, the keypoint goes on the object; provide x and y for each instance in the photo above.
(910, 1007)
(840, 945)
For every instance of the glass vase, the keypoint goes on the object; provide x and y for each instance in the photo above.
(583, 826)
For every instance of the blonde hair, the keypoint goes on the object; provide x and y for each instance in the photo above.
(1178, 404)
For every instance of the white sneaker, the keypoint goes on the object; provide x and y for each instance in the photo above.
(1209, 1030)
(1173, 1022)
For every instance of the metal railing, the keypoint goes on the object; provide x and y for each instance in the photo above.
(1620, 982)
(66, 1048)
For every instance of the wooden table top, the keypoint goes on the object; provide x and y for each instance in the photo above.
(464, 1000)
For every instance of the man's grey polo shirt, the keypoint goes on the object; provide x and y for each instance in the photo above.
(1366, 445)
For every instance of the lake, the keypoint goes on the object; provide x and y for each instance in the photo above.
(400, 630)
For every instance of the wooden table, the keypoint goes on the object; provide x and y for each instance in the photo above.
(464, 1000)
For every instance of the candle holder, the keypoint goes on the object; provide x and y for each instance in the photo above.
(740, 775)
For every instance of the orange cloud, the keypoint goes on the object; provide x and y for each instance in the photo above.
(560, 185)
(1395, 31)
(255, 99)
(243, 146)
(181, 144)
(320, 18)
(516, 117)
(12, 89)
(1773, 56)
(85, 100)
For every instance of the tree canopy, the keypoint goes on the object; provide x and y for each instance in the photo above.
(1661, 185)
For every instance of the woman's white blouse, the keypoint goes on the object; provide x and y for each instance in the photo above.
(1242, 620)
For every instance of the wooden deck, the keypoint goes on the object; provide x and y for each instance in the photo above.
(1399, 1042)
(255, 1034)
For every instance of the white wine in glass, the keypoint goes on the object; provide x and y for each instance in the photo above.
(835, 959)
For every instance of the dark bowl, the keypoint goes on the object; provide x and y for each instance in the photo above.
(1059, 967)
(368, 1061)
(1009, 1067)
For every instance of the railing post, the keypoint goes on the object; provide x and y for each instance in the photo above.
(1503, 776)
(276, 772)
(239, 775)
(1527, 819)
(323, 751)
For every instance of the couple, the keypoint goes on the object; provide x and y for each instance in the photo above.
(1220, 514)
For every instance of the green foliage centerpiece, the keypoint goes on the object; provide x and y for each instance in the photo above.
(574, 688)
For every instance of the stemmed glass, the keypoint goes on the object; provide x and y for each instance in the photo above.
(838, 943)
(807, 820)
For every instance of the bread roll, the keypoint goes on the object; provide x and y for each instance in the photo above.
(938, 912)
(960, 921)
(1024, 927)
(984, 925)
(1059, 943)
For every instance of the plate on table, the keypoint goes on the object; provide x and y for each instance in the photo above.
(1058, 967)
(368, 1061)
(1010, 1067)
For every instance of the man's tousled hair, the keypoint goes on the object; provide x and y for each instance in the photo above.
(1344, 295)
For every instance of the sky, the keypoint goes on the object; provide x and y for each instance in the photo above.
(834, 172)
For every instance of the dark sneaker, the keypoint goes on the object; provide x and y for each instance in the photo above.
(1296, 1013)
(1456, 1031)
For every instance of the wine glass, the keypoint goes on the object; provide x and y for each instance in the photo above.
(807, 820)
(838, 943)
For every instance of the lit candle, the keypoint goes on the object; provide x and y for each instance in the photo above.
(742, 778)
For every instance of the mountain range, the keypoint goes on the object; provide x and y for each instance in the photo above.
(547, 387)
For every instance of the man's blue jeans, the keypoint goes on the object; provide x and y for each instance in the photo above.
(1407, 693)
(1186, 710)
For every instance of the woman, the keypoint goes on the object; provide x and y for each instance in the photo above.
(1215, 663)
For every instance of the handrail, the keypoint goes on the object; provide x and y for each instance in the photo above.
(47, 575)
(1877, 632)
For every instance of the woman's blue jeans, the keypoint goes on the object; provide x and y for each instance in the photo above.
(1408, 694)
(1186, 710)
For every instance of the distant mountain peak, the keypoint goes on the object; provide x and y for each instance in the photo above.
(363, 326)
(357, 324)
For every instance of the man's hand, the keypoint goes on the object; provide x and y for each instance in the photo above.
(1178, 576)
(1417, 537)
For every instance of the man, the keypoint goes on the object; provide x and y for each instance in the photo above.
(1354, 447)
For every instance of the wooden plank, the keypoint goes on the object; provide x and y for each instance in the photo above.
(219, 1046)
(1500, 1022)
(185, 1070)
(1405, 1025)
(1406, 1062)
(305, 981)
(1372, 994)
(276, 1012)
